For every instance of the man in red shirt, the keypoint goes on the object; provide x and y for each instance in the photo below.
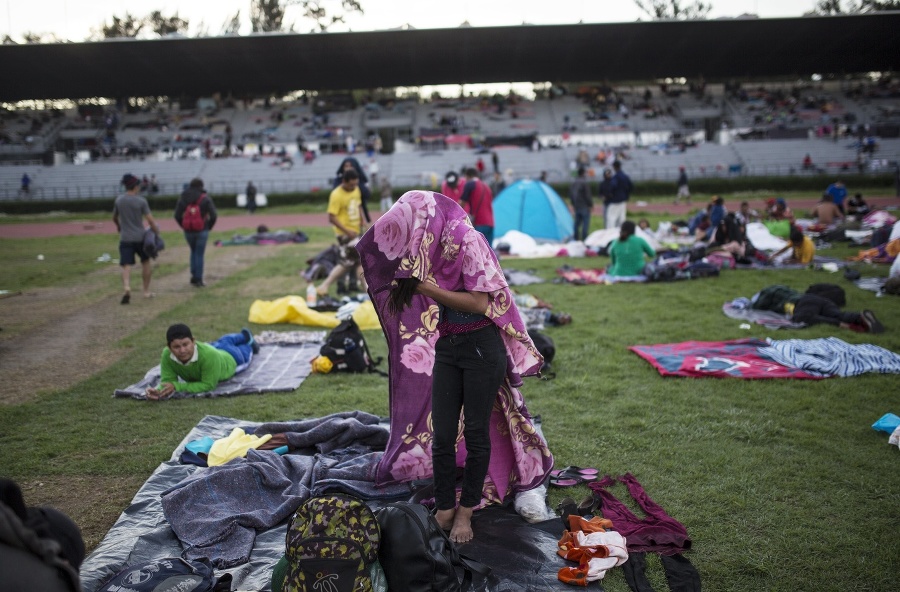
(476, 200)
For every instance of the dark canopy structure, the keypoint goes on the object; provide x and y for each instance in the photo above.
(271, 63)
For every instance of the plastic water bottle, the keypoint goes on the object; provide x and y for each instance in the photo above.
(311, 296)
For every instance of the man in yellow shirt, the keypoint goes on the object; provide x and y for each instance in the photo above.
(345, 206)
(803, 246)
(345, 216)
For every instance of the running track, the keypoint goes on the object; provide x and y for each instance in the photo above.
(801, 208)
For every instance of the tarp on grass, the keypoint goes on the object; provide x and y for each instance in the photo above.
(142, 534)
(532, 207)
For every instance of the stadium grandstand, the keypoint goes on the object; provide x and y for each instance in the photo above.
(704, 95)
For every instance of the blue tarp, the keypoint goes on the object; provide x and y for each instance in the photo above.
(534, 208)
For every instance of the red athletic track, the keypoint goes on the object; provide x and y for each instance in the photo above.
(292, 221)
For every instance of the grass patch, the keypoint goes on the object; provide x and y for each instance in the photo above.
(782, 484)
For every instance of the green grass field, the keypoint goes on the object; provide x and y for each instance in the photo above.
(783, 485)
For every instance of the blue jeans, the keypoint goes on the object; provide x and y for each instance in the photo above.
(197, 242)
(582, 223)
(468, 372)
(237, 345)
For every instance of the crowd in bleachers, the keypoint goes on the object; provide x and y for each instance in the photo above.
(656, 127)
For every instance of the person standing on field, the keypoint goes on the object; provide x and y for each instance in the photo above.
(682, 190)
(129, 212)
(196, 214)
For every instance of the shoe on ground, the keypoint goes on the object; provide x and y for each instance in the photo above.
(126, 298)
(197, 283)
(871, 322)
(249, 337)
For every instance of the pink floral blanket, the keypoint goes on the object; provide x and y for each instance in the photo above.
(427, 236)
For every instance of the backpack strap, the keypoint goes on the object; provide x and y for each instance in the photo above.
(475, 209)
(471, 566)
(372, 361)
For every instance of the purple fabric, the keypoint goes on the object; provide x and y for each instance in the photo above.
(657, 532)
(428, 236)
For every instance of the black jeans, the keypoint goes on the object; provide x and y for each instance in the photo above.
(468, 372)
(813, 309)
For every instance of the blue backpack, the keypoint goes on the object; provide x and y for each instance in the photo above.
(171, 573)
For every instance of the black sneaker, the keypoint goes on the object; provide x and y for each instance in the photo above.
(871, 322)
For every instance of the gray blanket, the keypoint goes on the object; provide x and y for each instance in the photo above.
(338, 430)
(275, 368)
(766, 318)
(216, 513)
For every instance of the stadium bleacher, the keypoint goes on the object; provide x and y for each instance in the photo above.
(723, 132)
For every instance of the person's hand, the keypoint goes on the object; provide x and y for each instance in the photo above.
(164, 391)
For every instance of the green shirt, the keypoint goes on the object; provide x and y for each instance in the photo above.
(628, 256)
(211, 367)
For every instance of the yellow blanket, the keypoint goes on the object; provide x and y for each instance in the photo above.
(293, 309)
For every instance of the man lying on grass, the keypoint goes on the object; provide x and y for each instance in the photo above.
(193, 367)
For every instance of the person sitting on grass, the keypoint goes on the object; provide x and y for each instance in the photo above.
(348, 262)
(627, 252)
(803, 246)
(826, 212)
(857, 206)
(191, 367)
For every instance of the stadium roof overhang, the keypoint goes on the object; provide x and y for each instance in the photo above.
(273, 63)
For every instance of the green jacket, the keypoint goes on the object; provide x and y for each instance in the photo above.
(212, 367)
(774, 298)
(627, 258)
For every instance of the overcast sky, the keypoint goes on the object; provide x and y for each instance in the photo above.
(74, 19)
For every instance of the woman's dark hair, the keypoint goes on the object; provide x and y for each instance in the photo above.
(796, 235)
(626, 230)
(401, 295)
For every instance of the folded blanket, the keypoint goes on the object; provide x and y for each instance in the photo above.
(766, 318)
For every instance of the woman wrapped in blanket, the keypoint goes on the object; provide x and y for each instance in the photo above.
(453, 330)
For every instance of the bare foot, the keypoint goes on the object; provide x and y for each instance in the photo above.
(445, 518)
(462, 526)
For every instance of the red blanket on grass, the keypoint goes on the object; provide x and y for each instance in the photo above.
(739, 358)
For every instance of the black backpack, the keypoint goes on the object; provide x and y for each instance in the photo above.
(346, 347)
(832, 292)
(546, 348)
(171, 573)
(416, 554)
(331, 543)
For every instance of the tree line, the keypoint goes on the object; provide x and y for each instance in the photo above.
(269, 16)
(264, 16)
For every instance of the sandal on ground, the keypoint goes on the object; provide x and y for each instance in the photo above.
(565, 481)
(588, 506)
(149, 295)
(575, 472)
(570, 476)
(126, 298)
(565, 508)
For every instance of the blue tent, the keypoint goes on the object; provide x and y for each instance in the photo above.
(534, 208)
